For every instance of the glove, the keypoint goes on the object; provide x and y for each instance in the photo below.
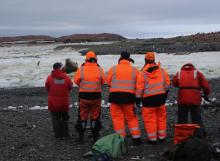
(138, 102)
(206, 98)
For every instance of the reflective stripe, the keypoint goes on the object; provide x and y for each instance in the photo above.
(153, 139)
(134, 128)
(122, 87)
(123, 81)
(83, 82)
(119, 131)
(162, 83)
(90, 88)
(162, 131)
(153, 85)
(59, 81)
(136, 136)
(195, 74)
(86, 82)
(152, 134)
(162, 137)
(154, 91)
(122, 84)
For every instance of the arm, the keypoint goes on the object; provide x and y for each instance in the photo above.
(204, 84)
(102, 77)
(109, 77)
(77, 78)
(139, 85)
(167, 80)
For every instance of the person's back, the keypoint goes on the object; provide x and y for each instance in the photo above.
(59, 85)
(121, 80)
(89, 77)
(190, 82)
(152, 88)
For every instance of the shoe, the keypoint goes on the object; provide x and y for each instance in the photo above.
(137, 141)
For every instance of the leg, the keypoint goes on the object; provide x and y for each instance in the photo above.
(95, 118)
(65, 121)
(149, 118)
(82, 120)
(197, 119)
(161, 122)
(183, 114)
(132, 120)
(56, 123)
(117, 116)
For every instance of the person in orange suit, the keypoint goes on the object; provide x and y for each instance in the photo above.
(122, 79)
(152, 89)
(89, 77)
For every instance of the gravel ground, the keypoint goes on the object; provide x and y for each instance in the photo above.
(27, 134)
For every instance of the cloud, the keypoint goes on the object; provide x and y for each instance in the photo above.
(139, 18)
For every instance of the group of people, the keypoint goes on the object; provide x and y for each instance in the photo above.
(128, 87)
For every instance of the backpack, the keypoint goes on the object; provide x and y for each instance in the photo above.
(112, 145)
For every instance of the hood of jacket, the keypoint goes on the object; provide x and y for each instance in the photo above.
(188, 66)
(58, 74)
(152, 70)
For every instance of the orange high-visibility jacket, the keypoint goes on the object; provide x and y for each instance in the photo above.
(122, 77)
(89, 77)
(151, 83)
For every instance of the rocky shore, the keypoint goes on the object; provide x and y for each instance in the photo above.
(26, 134)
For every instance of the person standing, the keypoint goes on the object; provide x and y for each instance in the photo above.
(121, 80)
(151, 89)
(89, 77)
(59, 86)
(190, 82)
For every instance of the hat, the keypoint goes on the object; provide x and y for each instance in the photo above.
(150, 56)
(90, 54)
(125, 55)
(57, 65)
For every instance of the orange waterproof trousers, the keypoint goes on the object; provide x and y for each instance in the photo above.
(155, 122)
(120, 114)
(90, 108)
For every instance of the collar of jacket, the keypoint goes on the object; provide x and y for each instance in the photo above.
(188, 66)
(90, 64)
(126, 62)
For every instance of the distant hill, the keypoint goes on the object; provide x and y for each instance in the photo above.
(91, 37)
(27, 38)
(65, 39)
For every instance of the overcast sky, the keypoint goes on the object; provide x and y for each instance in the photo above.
(130, 18)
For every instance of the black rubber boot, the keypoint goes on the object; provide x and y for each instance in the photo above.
(80, 127)
(95, 127)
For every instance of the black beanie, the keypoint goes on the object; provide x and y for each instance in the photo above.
(125, 55)
(57, 65)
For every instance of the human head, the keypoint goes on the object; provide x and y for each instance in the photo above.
(149, 57)
(91, 56)
(57, 65)
(126, 56)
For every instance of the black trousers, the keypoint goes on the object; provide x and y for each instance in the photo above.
(196, 118)
(195, 113)
(60, 116)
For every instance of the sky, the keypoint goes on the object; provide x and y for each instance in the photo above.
(130, 18)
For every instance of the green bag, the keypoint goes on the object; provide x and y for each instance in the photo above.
(113, 145)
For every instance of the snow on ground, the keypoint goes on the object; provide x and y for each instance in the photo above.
(18, 67)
